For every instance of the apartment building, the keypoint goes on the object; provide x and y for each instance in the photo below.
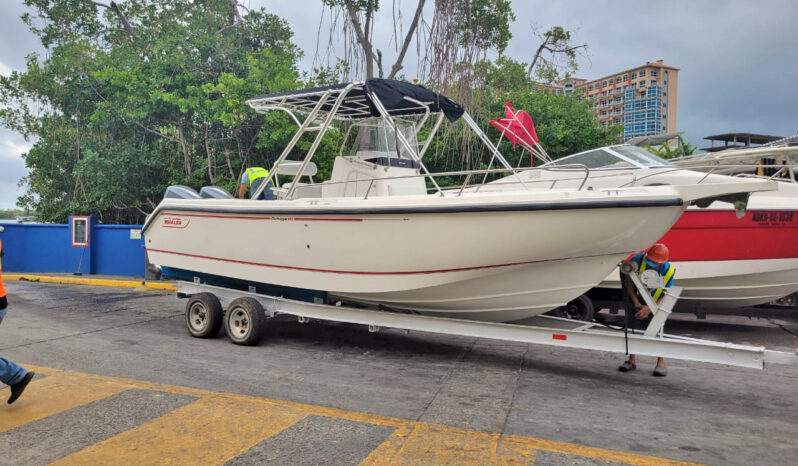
(642, 99)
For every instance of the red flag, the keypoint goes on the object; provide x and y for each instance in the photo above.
(523, 126)
(518, 127)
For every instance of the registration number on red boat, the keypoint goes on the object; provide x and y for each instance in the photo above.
(772, 217)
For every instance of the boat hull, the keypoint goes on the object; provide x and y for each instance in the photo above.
(500, 257)
(723, 261)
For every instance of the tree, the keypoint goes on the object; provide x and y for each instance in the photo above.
(460, 35)
(136, 96)
(359, 28)
(564, 123)
(555, 57)
(665, 151)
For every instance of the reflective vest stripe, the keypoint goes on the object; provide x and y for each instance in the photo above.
(256, 174)
(668, 275)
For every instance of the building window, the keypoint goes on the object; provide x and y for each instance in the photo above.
(634, 85)
(617, 80)
(591, 87)
(634, 75)
(642, 73)
(625, 78)
(652, 83)
(653, 72)
(664, 83)
(642, 84)
(603, 83)
(666, 73)
(603, 92)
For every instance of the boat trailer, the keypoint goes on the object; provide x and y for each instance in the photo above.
(247, 312)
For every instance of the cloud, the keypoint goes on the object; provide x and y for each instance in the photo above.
(12, 167)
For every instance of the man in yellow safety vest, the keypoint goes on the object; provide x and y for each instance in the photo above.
(252, 179)
(638, 314)
(11, 373)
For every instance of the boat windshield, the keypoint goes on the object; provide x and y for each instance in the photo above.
(642, 156)
(377, 138)
(624, 156)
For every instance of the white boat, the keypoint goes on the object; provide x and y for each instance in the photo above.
(723, 257)
(372, 234)
(777, 161)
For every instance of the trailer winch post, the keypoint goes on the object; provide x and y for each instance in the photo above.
(662, 310)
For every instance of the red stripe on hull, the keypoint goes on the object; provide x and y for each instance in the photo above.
(256, 217)
(356, 272)
(720, 235)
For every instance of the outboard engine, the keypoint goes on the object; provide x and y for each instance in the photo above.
(180, 191)
(214, 192)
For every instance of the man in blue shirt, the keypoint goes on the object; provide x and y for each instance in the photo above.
(638, 313)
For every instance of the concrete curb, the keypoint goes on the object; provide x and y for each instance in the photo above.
(90, 281)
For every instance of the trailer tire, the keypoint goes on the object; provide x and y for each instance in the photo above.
(580, 308)
(204, 315)
(244, 321)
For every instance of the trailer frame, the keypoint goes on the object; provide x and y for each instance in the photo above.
(542, 330)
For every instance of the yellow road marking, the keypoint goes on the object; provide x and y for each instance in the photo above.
(517, 443)
(54, 394)
(90, 281)
(389, 449)
(208, 431)
(434, 444)
(222, 424)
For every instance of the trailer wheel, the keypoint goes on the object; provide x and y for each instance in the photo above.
(580, 308)
(244, 321)
(204, 315)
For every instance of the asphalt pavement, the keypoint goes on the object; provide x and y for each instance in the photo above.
(120, 375)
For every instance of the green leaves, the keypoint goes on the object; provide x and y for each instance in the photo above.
(485, 23)
(564, 123)
(665, 150)
(136, 96)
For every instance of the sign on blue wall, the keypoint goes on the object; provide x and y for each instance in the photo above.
(81, 246)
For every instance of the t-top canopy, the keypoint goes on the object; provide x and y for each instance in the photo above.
(398, 98)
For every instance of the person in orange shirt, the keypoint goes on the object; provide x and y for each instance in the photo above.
(11, 374)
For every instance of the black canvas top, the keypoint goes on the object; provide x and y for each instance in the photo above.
(359, 104)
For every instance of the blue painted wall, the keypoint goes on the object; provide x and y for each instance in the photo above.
(114, 253)
(34, 247)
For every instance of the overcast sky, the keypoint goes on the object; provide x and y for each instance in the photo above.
(738, 59)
